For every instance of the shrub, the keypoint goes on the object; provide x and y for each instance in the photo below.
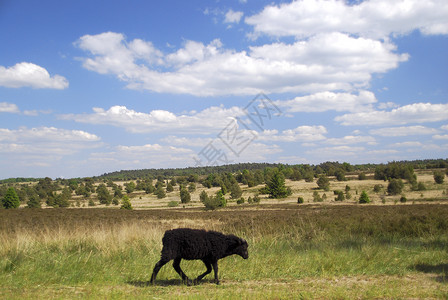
(316, 197)
(173, 204)
(11, 199)
(256, 199)
(184, 196)
(215, 202)
(323, 183)
(395, 187)
(362, 176)
(364, 198)
(340, 195)
(439, 177)
(403, 199)
(240, 201)
(126, 203)
(377, 188)
(300, 200)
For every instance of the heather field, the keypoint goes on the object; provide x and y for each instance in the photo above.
(296, 251)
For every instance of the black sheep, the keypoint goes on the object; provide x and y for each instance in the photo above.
(190, 244)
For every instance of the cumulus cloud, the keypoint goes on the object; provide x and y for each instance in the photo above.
(43, 141)
(324, 101)
(301, 133)
(233, 16)
(371, 18)
(6, 107)
(333, 61)
(403, 131)
(206, 121)
(350, 139)
(412, 113)
(27, 74)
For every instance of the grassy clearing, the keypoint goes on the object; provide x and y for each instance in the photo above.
(313, 251)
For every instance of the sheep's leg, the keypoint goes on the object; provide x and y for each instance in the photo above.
(157, 267)
(176, 265)
(209, 269)
(215, 268)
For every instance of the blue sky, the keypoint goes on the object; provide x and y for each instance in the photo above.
(88, 87)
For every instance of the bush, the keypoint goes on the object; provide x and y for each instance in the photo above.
(395, 187)
(215, 202)
(240, 201)
(439, 177)
(340, 196)
(173, 204)
(184, 196)
(362, 176)
(377, 188)
(300, 200)
(126, 203)
(403, 199)
(323, 183)
(316, 197)
(364, 198)
(11, 199)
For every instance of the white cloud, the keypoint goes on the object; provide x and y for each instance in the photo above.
(332, 61)
(403, 131)
(370, 18)
(412, 113)
(207, 121)
(440, 137)
(301, 133)
(350, 139)
(325, 101)
(45, 141)
(6, 107)
(233, 16)
(26, 74)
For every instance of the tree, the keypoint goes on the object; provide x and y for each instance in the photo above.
(364, 198)
(340, 175)
(11, 199)
(235, 191)
(130, 187)
(103, 194)
(184, 196)
(160, 192)
(395, 186)
(169, 188)
(34, 201)
(277, 187)
(439, 177)
(323, 183)
(126, 203)
(203, 196)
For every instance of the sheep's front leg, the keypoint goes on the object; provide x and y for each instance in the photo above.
(176, 265)
(209, 269)
(215, 268)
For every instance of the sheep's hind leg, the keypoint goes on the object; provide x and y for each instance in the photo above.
(215, 268)
(176, 265)
(209, 269)
(157, 267)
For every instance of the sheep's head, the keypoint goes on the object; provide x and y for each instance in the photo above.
(241, 249)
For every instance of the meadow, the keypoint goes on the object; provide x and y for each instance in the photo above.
(296, 251)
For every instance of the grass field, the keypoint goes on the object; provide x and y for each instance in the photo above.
(296, 251)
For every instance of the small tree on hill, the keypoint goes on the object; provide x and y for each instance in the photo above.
(126, 203)
(11, 199)
(323, 183)
(277, 187)
(364, 198)
(184, 196)
(439, 177)
(395, 186)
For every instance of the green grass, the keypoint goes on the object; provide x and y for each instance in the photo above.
(341, 252)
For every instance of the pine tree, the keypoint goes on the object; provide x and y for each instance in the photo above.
(11, 199)
(126, 203)
(277, 187)
(364, 198)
